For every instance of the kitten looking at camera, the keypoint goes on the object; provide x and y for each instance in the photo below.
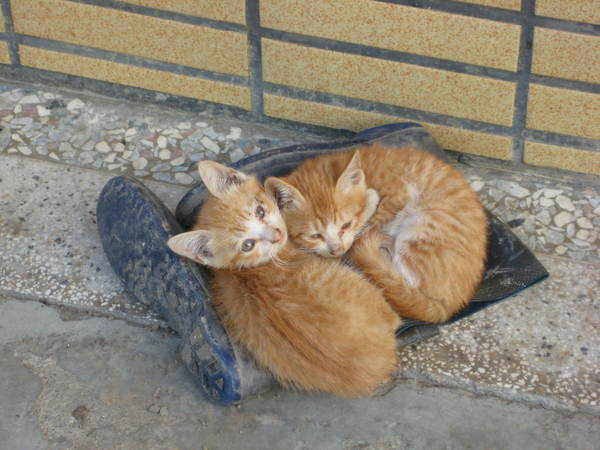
(315, 324)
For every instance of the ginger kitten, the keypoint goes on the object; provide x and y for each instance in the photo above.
(314, 323)
(422, 239)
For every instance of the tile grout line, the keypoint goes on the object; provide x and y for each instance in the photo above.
(562, 140)
(523, 76)
(255, 57)
(498, 14)
(430, 62)
(164, 14)
(368, 106)
(565, 83)
(10, 32)
(138, 61)
(370, 51)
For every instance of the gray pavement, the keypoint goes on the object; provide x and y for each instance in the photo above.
(75, 381)
(85, 366)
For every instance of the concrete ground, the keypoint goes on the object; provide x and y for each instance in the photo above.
(71, 380)
(85, 366)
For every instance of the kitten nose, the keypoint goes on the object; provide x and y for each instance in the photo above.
(277, 236)
(336, 251)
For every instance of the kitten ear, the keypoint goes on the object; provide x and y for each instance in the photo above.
(219, 179)
(286, 195)
(352, 176)
(194, 245)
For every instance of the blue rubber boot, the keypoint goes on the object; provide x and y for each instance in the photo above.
(134, 228)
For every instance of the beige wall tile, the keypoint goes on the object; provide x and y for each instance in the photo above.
(389, 82)
(136, 76)
(133, 34)
(566, 55)
(4, 53)
(476, 143)
(350, 119)
(227, 10)
(563, 111)
(578, 10)
(506, 4)
(396, 27)
(1, 21)
(562, 158)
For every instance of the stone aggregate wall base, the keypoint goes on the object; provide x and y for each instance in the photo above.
(155, 143)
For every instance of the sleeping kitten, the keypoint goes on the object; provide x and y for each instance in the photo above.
(425, 245)
(315, 324)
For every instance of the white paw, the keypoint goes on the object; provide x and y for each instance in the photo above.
(372, 203)
(372, 197)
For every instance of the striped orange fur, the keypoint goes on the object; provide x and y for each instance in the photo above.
(315, 324)
(425, 243)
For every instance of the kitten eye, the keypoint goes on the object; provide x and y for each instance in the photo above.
(248, 245)
(260, 212)
(346, 225)
(316, 236)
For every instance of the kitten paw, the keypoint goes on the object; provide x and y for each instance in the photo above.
(370, 207)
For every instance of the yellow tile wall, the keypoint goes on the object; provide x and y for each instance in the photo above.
(136, 76)
(563, 111)
(1, 22)
(493, 146)
(389, 82)
(566, 55)
(133, 34)
(578, 10)
(487, 43)
(226, 10)
(562, 158)
(396, 27)
(4, 53)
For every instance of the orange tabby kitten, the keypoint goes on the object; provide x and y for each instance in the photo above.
(425, 244)
(315, 324)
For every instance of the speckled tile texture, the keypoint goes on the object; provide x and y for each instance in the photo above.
(99, 69)
(133, 34)
(561, 158)
(493, 146)
(378, 80)
(4, 53)
(566, 55)
(402, 28)
(57, 149)
(581, 11)
(563, 111)
(227, 10)
(508, 4)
